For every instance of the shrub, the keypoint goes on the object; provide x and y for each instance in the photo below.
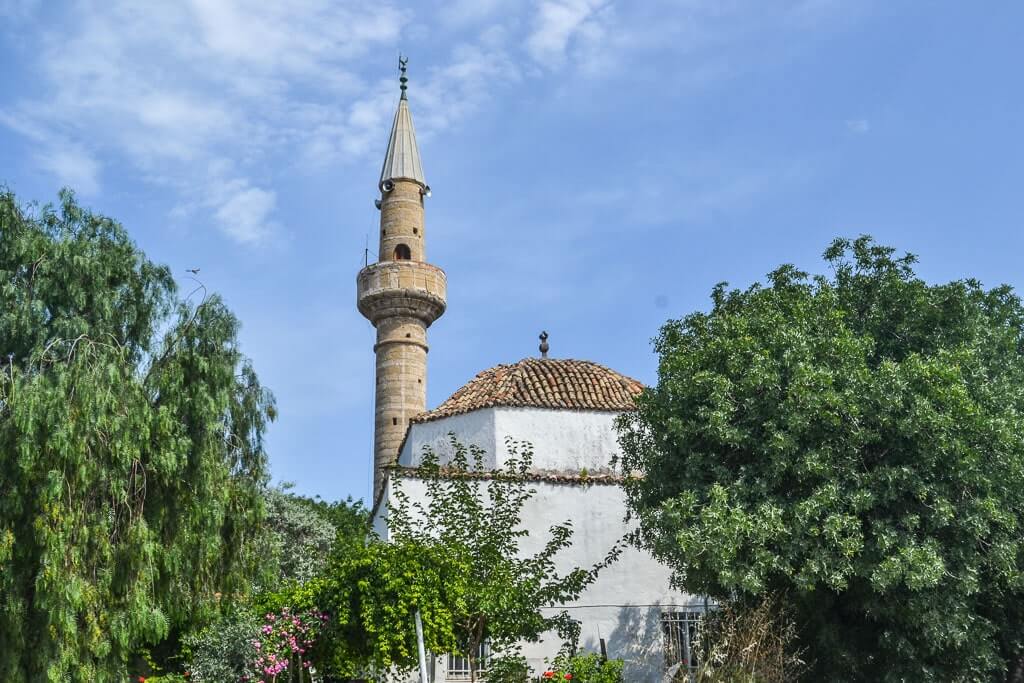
(748, 644)
(585, 668)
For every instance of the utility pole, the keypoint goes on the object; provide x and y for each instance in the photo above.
(422, 649)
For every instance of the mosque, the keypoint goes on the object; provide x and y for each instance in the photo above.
(565, 408)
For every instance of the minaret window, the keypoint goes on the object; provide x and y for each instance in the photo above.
(402, 253)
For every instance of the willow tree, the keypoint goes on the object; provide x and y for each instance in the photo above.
(854, 441)
(131, 455)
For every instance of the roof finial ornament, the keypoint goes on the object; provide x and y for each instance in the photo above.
(403, 79)
(544, 344)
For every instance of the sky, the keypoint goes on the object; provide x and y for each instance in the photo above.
(596, 166)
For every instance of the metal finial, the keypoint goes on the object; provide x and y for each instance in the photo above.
(403, 79)
(544, 344)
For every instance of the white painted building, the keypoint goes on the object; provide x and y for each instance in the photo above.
(565, 408)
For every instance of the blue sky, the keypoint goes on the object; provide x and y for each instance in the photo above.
(597, 166)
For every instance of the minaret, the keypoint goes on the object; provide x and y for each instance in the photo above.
(401, 294)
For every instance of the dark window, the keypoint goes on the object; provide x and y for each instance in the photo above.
(458, 666)
(402, 253)
(679, 635)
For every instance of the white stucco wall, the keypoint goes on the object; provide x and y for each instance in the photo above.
(379, 523)
(566, 440)
(476, 428)
(625, 603)
(563, 440)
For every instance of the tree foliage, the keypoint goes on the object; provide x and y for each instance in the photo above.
(131, 452)
(372, 594)
(301, 531)
(588, 667)
(298, 536)
(455, 555)
(224, 650)
(854, 441)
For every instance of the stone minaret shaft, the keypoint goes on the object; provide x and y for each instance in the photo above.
(400, 294)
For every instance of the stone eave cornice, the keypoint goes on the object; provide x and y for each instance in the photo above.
(601, 478)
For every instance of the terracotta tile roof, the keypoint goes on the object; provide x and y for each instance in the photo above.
(542, 383)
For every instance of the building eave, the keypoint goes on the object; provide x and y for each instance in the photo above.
(575, 478)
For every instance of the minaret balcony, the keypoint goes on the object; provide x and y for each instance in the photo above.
(401, 288)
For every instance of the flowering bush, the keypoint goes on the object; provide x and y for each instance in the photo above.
(283, 644)
(586, 668)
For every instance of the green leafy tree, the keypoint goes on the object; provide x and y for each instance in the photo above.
(131, 452)
(225, 650)
(855, 442)
(455, 556)
(371, 595)
(299, 534)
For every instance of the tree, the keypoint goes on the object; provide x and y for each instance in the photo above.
(371, 594)
(131, 452)
(301, 532)
(298, 535)
(224, 650)
(455, 556)
(855, 442)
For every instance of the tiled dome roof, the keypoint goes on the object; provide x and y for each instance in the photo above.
(542, 383)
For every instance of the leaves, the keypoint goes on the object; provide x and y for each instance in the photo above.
(131, 432)
(453, 554)
(854, 441)
(585, 668)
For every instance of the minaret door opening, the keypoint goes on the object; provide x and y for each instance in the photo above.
(402, 253)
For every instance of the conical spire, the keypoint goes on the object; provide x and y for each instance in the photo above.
(402, 160)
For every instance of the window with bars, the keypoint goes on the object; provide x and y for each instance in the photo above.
(679, 634)
(458, 666)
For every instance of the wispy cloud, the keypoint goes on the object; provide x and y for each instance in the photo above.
(557, 23)
(206, 98)
(73, 167)
(859, 126)
(462, 13)
(17, 10)
(242, 211)
(69, 162)
(184, 91)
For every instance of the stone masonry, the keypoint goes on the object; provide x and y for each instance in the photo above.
(401, 295)
(401, 299)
